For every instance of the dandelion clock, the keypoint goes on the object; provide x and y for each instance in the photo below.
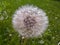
(30, 21)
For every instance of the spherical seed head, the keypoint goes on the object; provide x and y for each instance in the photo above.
(30, 21)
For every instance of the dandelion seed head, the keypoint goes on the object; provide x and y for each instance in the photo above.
(30, 21)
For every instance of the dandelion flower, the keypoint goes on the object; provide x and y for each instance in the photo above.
(30, 21)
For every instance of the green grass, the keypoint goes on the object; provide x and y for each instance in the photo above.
(8, 36)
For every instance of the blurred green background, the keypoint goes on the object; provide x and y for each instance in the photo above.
(8, 36)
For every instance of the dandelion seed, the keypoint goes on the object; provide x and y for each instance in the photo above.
(41, 42)
(10, 34)
(22, 37)
(30, 21)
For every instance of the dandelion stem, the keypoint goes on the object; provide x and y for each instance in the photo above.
(25, 41)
